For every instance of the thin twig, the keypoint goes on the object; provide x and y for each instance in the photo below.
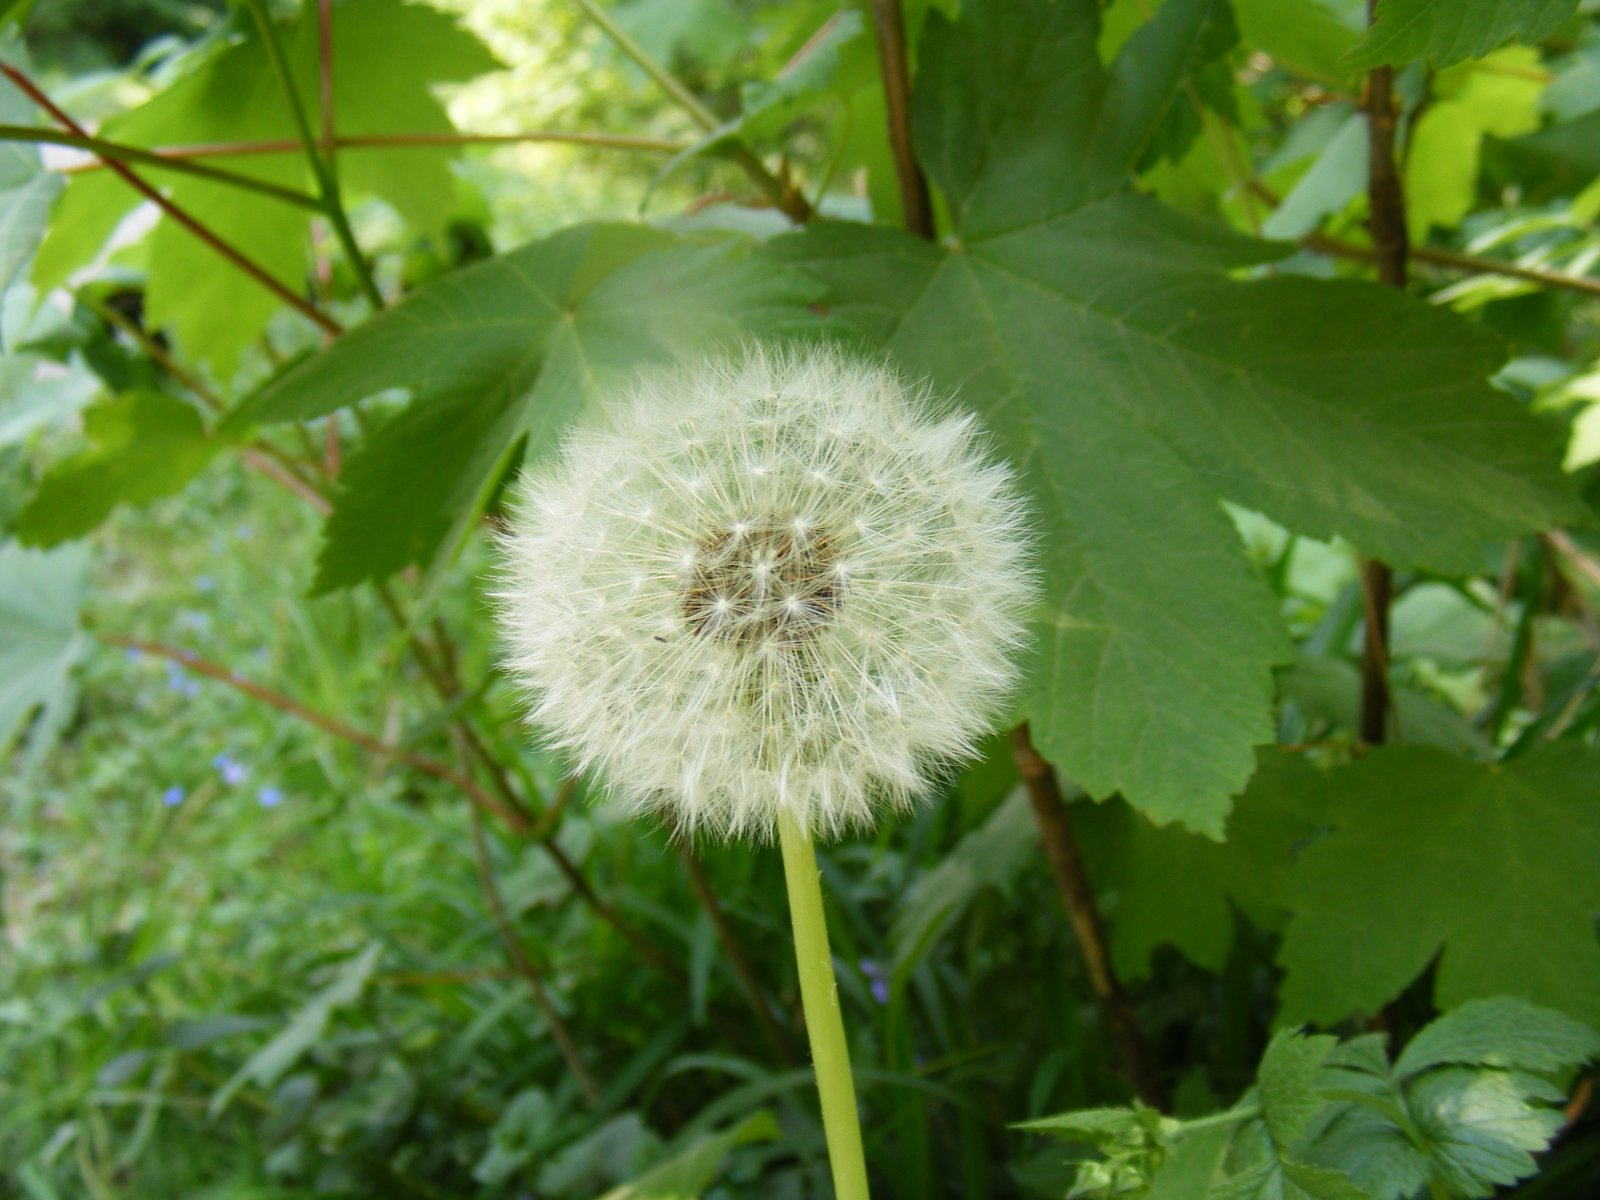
(1055, 831)
(559, 1033)
(914, 202)
(734, 950)
(1457, 261)
(356, 737)
(181, 165)
(228, 251)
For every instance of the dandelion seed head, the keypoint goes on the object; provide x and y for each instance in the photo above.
(786, 580)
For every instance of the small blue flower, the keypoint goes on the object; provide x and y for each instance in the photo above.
(205, 583)
(269, 797)
(244, 533)
(876, 980)
(134, 653)
(173, 796)
(233, 773)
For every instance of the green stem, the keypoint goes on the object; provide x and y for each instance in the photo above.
(327, 182)
(830, 1054)
(149, 158)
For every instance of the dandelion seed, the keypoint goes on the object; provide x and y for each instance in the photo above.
(860, 598)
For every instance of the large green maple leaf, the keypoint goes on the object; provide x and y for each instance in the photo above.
(502, 355)
(1489, 868)
(386, 55)
(1137, 384)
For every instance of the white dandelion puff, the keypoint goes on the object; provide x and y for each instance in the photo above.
(781, 582)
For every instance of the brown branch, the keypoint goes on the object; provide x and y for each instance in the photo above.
(524, 965)
(734, 950)
(235, 256)
(914, 201)
(1055, 831)
(420, 762)
(1387, 221)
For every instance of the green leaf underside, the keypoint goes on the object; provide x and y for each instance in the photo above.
(144, 445)
(512, 349)
(41, 641)
(1180, 387)
(1450, 31)
(215, 309)
(1488, 868)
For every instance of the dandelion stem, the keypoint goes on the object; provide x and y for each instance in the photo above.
(830, 1054)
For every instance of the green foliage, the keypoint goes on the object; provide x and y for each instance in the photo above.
(41, 641)
(1460, 1112)
(1449, 31)
(1403, 450)
(254, 945)
(1487, 867)
(504, 354)
(144, 445)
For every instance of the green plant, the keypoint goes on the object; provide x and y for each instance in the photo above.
(291, 906)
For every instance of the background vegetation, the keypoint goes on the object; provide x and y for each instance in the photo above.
(1288, 312)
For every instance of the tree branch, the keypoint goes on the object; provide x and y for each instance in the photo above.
(235, 256)
(1055, 831)
(1456, 260)
(914, 201)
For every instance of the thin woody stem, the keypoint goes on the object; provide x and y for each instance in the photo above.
(1061, 848)
(356, 737)
(914, 200)
(152, 158)
(228, 251)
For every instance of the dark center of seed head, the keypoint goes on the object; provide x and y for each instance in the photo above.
(763, 581)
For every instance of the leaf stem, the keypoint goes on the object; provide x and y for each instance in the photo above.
(1061, 848)
(830, 1053)
(323, 169)
(116, 150)
(228, 251)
